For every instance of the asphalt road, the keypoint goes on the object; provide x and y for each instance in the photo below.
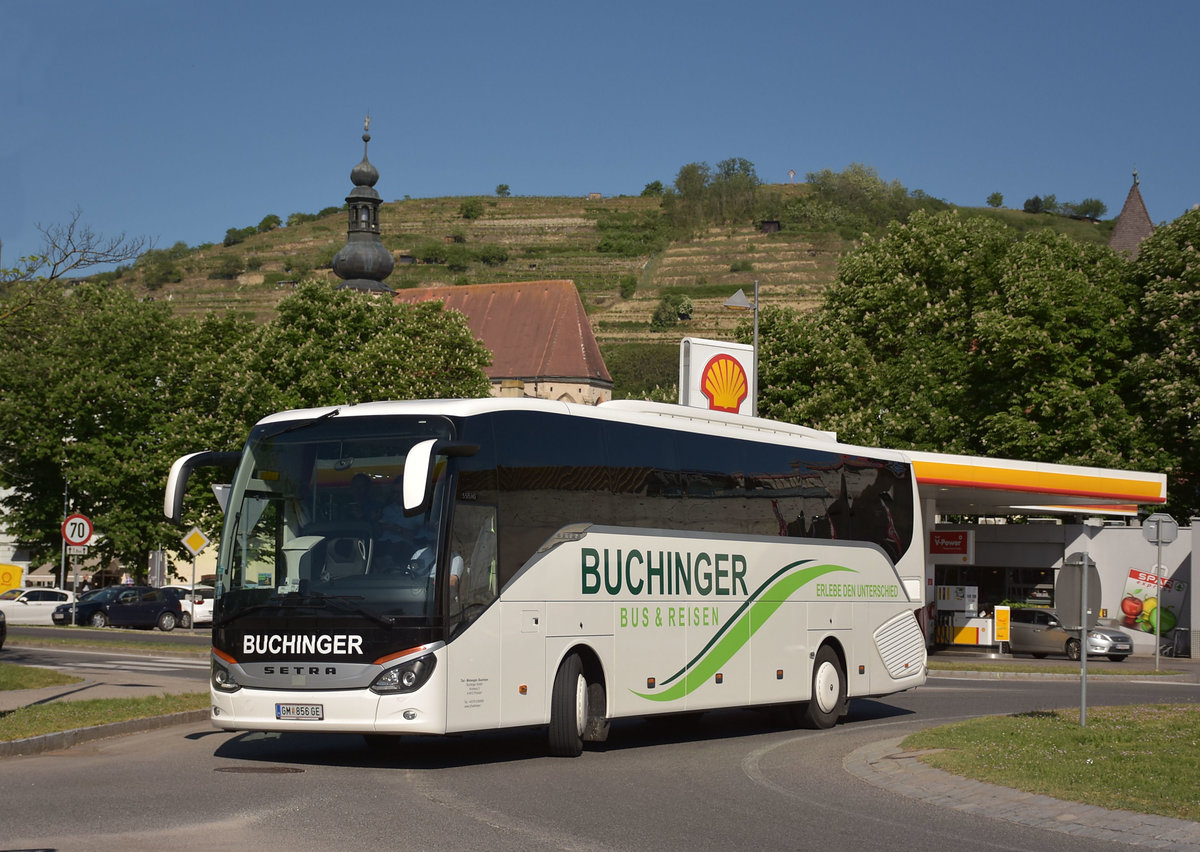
(728, 780)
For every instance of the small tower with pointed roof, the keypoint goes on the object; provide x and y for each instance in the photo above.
(1133, 225)
(363, 263)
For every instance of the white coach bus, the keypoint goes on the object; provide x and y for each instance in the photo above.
(444, 566)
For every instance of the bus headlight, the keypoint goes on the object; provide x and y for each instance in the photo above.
(223, 679)
(406, 677)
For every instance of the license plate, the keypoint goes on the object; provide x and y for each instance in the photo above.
(1120, 647)
(299, 711)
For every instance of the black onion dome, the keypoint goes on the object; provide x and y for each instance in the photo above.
(364, 174)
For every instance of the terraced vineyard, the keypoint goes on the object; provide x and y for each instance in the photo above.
(544, 238)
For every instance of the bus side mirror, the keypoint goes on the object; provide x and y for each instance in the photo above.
(420, 466)
(182, 469)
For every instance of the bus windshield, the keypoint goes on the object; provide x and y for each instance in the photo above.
(315, 520)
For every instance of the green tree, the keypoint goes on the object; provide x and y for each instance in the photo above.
(1167, 369)
(84, 405)
(458, 257)
(502, 190)
(1092, 208)
(104, 391)
(687, 206)
(670, 310)
(996, 199)
(66, 248)
(470, 208)
(732, 191)
(653, 188)
(950, 334)
(329, 346)
(1034, 205)
(269, 223)
(491, 254)
(233, 236)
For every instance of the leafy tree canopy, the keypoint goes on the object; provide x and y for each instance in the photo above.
(950, 334)
(107, 390)
(1167, 368)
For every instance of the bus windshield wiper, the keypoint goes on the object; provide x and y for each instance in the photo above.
(295, 427)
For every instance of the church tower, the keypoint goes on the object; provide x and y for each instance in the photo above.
(1133, 225)
(363, 263)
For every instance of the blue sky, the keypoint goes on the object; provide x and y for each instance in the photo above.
(178, 120)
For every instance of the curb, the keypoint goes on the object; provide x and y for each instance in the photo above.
(884, 764)
(66, 739)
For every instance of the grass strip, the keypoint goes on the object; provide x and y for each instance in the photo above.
(80, 640)
(13, 676)
(67, 715)
(1143, 758)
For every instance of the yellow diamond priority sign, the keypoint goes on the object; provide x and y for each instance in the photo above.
(195, 541)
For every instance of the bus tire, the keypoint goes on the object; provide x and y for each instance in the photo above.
(568, 709)
(828, 691)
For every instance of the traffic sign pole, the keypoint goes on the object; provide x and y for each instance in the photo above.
(1159, 529)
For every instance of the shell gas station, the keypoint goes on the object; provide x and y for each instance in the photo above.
(1028, 521)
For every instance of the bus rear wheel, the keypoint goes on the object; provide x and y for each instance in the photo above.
(568, 709)
(828, 691)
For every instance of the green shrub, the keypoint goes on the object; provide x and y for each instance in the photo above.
(673, 308)
(471, 208)
(226, 268)
(491, 254)
(458, 258)
(431, 251)
(741, 266)
(238, 235)
(628, 286)
(632, 234)
(269, 223)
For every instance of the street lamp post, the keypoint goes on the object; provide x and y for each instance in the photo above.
(739, 302)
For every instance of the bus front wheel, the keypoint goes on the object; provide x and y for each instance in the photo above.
(828, 691)
(568, 709)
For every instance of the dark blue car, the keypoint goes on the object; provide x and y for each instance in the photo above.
(124, 606)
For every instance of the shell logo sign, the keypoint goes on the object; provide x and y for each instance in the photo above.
(723, 382)
(11, 576)
(717, 375)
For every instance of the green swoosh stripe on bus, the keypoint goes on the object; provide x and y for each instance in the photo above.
(736, 632)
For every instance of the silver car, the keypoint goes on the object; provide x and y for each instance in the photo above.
(1040, 632)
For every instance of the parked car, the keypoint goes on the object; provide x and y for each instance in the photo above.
(3, 629)
(125, 606)
(1040, 632)
(32, 605)
(197, 602)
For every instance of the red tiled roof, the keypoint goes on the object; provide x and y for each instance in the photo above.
(535, 330)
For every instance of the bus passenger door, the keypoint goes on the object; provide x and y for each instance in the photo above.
(474, 651)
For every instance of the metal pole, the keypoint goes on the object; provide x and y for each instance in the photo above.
(754, 389)
(63, 564)
(1083, 628)
(1158, 596)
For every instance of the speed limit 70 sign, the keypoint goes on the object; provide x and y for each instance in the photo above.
(77, 530)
